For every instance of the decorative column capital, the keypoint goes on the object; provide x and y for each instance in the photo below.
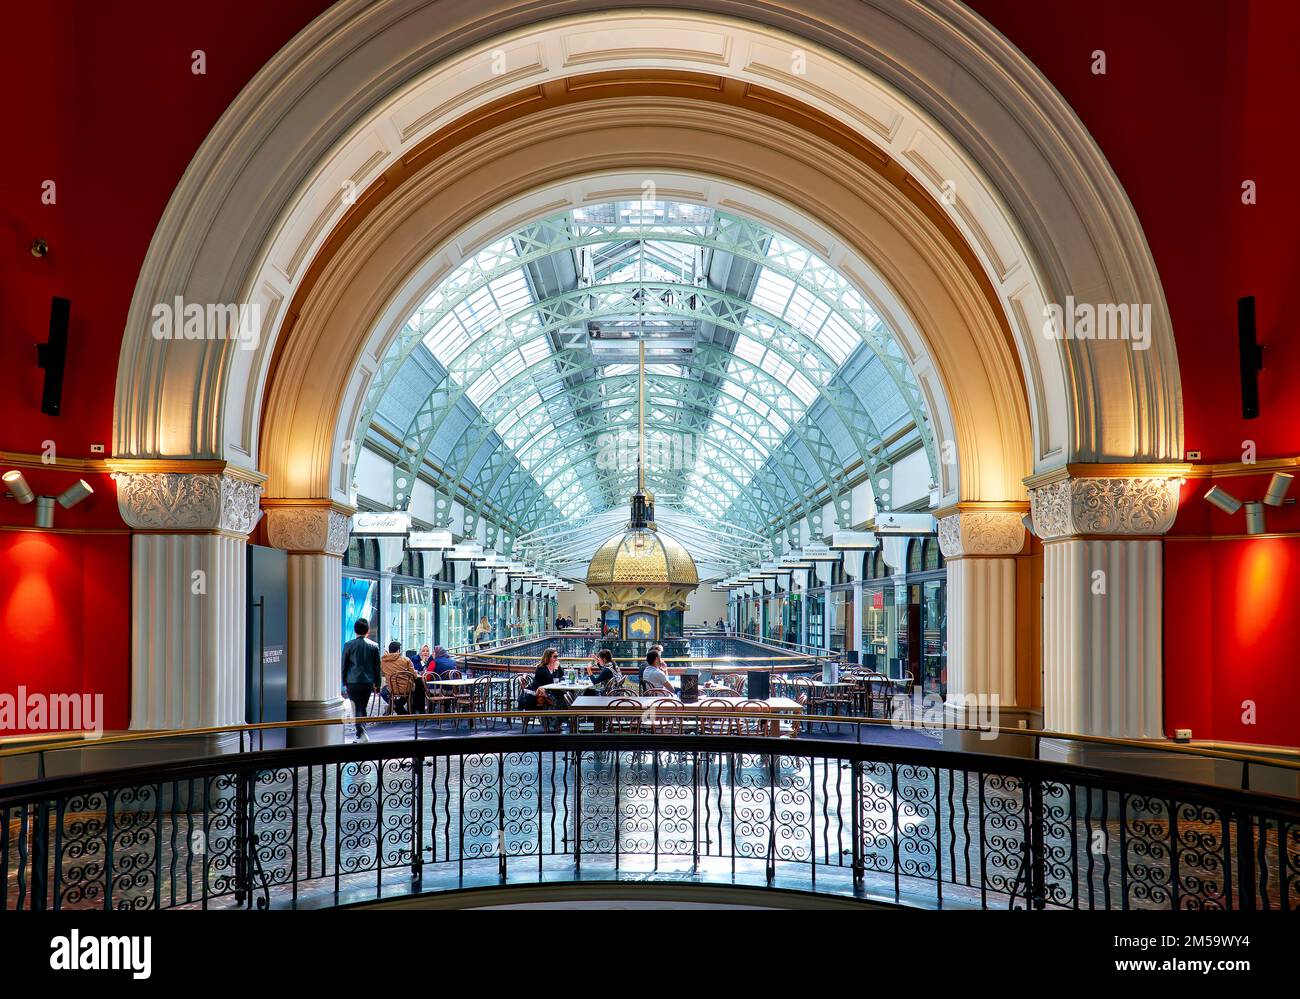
(1072, 503)
(982, 529)
(169, 498)
(320, 527)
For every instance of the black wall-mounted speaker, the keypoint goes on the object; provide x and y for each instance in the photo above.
(1251, 357)
(52, 354)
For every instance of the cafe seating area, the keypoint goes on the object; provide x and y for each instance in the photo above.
(714, 703)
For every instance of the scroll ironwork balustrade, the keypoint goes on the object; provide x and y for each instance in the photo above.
(892, 824)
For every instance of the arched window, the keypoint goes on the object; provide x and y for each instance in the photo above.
(915, 555)
(362, 553)
(933, 557)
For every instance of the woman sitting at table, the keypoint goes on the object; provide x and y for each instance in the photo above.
(548, 671)
(653, 673)
(442, 661)
(608, 677)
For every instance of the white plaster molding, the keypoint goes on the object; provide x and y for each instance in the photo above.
(981, 532)
(184, 501)
(1104, 506)
(308, 529)
(928, 82)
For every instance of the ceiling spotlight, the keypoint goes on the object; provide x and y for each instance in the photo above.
(18, 487)
(1223, 499)
(74, 494)
(1277, 488)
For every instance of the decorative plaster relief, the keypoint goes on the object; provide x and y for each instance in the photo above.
(1104, 506)
(183, 501)
(308, 529)
(981, 532)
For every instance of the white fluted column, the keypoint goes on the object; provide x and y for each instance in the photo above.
(980, 545)
(315, 535)
(1102, 600)
(188, 571)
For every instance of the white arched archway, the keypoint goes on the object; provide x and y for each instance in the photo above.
(936, 91)
(266, 190)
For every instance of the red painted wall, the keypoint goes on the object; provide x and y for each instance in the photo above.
(65, 611)
(1198, 96)
(109, 110)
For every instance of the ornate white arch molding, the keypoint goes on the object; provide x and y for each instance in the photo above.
(931, 84)
(882, 243)
(939, 92)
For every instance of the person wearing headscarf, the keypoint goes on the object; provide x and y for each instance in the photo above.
(442, 661)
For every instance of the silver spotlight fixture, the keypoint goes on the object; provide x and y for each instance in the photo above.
(74, 494)
(1027, 522)
(45, 512)
(1278, 486)
(22, 492)
(1223, 499)
(18, 487)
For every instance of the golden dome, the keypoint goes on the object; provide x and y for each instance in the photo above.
(640, 556)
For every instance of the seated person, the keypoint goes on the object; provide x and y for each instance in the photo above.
(548, 671)
(401, 678)
(442, 662)
(653, 673)
(608, 677)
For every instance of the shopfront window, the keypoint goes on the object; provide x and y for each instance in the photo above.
(816, 619)
(840, 614)
(904, 616)
(360, 596)
(776, 620)
(411, 615)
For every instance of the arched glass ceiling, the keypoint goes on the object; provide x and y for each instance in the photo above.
(512, 389)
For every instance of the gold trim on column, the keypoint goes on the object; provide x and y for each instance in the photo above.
(1136, 470)
(998, 506)
(162, 466)
(289, 503)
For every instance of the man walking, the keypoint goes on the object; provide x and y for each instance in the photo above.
(360, 672)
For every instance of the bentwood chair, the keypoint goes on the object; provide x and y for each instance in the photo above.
(664, 717)
(746, 723)
(716, 725)
(628, 718)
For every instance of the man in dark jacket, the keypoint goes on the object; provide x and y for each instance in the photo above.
(360, 672)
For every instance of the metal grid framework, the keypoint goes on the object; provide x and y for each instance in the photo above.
(770, 379)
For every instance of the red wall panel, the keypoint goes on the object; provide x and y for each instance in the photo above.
(65, 603)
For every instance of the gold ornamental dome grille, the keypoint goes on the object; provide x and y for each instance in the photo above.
(642, 556)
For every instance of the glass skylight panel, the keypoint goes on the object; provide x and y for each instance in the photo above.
(772, 291)
(482, 325)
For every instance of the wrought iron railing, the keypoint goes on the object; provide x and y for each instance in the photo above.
(904, 825)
